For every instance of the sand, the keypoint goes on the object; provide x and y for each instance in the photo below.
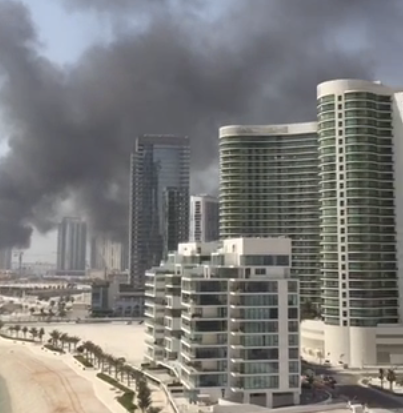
(39, 383)
(121, 340)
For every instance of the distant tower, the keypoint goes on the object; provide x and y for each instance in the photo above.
(5, 259)
(71, 246)
(203, 218)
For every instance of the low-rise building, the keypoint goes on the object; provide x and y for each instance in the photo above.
(229, 314)
(114, 296)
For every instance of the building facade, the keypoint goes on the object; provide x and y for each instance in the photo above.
(108, 255)
(229, 312)
(158, 162)
(71, 246)
(204, 213)
(361, 205)
(6, 255)
(175, 218)
(269, 186)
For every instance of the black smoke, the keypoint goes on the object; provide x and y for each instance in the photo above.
(182, 67)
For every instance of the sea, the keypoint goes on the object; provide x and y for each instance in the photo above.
(5, 406)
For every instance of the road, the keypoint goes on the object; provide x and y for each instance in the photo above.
(347, 386)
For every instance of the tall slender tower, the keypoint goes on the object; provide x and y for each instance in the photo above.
(159, 170)
(71, 246)
(269, 187)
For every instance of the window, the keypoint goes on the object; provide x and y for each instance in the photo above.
(293, 353)
(293, 326)
(293, 366)
(292, 286)
(293, 381)
(292, 313)
(293, 339)
(260, 271)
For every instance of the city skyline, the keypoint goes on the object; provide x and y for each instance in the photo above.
(67, 51)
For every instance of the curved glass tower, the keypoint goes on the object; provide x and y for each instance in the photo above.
(357, 218)
(269, 187)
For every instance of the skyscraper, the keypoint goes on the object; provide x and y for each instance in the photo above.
(269, 187)
(71, 246)
(203, 225)
(159, 163)
(108, 255)
(5, 258)
(175, 218)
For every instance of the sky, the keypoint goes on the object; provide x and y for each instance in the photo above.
(64, 37)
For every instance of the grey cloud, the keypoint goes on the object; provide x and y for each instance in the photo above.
(71, 129)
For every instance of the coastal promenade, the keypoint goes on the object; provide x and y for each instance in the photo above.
(40, 381)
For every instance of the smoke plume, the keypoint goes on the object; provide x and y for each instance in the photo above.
(184, 67)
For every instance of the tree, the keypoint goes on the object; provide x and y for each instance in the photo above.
(143, 395)
(55, 337)
(381, 376)
(391, 378)
(17, 329)
(25, 331)
(34, 332)
(41, 333)
(1, 324)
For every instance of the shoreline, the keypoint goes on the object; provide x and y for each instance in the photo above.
(38, 381)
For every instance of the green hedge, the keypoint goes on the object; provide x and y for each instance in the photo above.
(83, 361)
(126, 399)
(29, 340)
(51, 347)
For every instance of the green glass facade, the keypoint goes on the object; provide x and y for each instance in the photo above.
(269, 187)
(357, 217)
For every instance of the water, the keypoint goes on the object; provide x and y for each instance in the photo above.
(4, 398)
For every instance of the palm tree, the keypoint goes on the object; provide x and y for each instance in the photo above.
(75, 340)
(381, 376)
(41, 333)
(17, 329)
(64, 338)
(391, 378)
(25, 331)
(143, 395)
(55, 337)
(34, 333)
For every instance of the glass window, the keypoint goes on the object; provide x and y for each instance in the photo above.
(293, 339)
(293, 353)
(293, 366)
(294, 380)
(292, 313)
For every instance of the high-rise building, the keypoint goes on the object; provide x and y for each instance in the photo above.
(108, 255)
(269, 186)
(175, 218)
(229, 314)
(5, 259)
(361, 212)
(159, 167)
(71, 246)
(203, 225)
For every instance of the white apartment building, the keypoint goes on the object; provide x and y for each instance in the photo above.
(204, 212)
(239, 323)
(361, 206)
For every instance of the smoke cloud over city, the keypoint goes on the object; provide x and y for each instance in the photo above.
(177, 67)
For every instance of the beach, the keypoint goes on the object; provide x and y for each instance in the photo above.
(41, 383)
